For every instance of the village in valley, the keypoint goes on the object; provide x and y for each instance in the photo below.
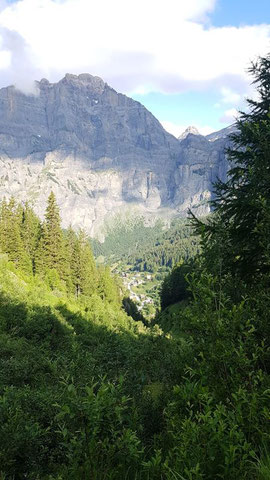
(143, 289)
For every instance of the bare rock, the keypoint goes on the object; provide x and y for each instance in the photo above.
(101, 153)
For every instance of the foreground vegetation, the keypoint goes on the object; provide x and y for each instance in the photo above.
(82, 384)
(87, 392)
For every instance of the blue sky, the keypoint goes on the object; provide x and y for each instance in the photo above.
(240, 12)
(203, 107)
(186, 108)
(185, 60)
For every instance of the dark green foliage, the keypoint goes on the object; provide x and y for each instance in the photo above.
(11, 235)
(149, 248)
(170, 247)
(174, 288)
(97, 419)
(131, 309)
(124, 236)
(107, 287)
(52, 253)
(217, 417)
(30, 231)
(237, 236)
(71, 380)
(82, 264)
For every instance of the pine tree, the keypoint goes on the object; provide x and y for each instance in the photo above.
(51, 253)
(72, 257)
(4, 216)
(30, 231)
(82, 264)
(107, 287)
(88, 272)
(10, 235)
(238, 234)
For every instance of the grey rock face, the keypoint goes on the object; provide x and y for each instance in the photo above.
(202, 163)
(100, 152)
(222, 134)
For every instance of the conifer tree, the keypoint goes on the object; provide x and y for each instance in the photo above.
(51, 252)
(238, 234)
(82, 264)
(30, 230)
(72, 255)
(87, 265)
(10, 235)
(107, 287)
(4, 215)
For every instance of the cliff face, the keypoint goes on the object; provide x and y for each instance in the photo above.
(100, 152)
(202, 162)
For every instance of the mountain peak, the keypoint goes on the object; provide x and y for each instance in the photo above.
(84, 80)
(100, 152)
(190, 129)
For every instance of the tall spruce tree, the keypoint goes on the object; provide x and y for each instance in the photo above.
(4, 225)
(72, 256)
(51, 253)
(238, 234)
(107, 287)
(30, 231)
(82, 264)
(88, 273)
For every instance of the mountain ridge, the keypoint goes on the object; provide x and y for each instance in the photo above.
(101, 152)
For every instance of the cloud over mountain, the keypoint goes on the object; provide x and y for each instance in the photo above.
(149, 46)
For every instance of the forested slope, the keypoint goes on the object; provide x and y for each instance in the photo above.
(148, 248)
(82, 385)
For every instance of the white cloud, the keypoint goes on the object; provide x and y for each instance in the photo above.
(177, 130)
(229, 96)
(142, 46)
(229, 116)
(5, 59)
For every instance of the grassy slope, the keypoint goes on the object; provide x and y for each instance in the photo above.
(55, 353)
(86, 392)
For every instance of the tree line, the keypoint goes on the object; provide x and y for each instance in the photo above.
(63, 259)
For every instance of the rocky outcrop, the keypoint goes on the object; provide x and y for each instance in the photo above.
(188, 130)
(100, 152)
(222, 134)
(203, 161)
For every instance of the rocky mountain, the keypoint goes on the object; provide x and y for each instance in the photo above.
(221, 134)
(188, 130)
(101, 153)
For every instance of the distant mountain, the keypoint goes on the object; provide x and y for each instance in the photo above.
(221, 134)
(192, 130)
(101, 153)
